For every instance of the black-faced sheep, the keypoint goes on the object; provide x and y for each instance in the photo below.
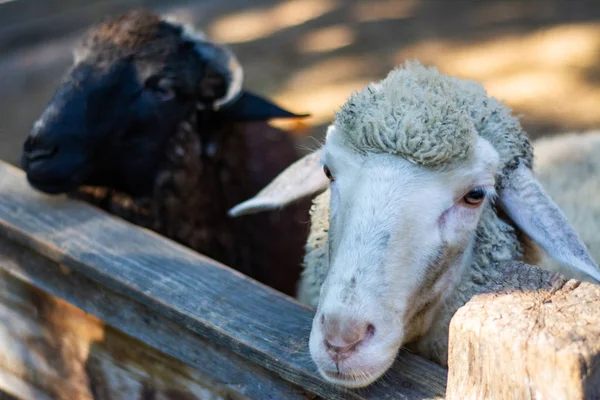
(153, 125)
(428, 189)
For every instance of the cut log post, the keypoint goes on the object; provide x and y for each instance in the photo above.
(540, 339)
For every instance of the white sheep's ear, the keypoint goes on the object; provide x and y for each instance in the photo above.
(525, 201)
(303, 178)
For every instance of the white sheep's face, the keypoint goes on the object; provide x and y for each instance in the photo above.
(399, 237)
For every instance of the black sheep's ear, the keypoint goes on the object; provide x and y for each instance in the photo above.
(250, 107)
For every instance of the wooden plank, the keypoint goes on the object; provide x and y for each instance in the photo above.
(16, 388)
(218, 366)
(53, 350)
(540, 340)
(201, 296)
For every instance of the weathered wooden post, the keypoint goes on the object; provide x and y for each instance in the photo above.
(540, 340)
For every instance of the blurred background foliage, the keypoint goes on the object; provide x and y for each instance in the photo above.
(541, 57)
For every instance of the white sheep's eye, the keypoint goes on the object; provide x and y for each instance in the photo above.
(475, 197)
(328, 173)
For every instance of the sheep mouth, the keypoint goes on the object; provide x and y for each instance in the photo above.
(57, 185)
(349, 380)
(53, 186)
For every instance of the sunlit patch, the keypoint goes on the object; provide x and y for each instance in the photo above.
(320, 103)
(320, 73)
(242, 27)
(545, 75)
(560, 47)
(327, 39)
(257, 24)
(296, 12)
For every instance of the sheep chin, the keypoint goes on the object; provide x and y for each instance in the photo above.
(361, 370)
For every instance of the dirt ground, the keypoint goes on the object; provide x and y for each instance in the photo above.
(541, 57)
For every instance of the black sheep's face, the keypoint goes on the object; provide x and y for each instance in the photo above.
(135, 79)
(110, 119)
(103, 127)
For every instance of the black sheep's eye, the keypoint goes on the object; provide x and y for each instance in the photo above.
(328, 173)
(475, 197)
(161, 87)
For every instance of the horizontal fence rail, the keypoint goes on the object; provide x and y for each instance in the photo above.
(243, 336)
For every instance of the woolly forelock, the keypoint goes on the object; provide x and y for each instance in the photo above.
(149, 35)
(431, 119)
(138, 31)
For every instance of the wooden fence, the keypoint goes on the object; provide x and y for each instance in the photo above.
(94, 307)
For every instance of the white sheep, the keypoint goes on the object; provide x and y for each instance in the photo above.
(430, 189)
(568, 167)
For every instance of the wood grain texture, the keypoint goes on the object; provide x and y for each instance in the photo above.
(200, 297)
(539, 340)
(219, 366)
(53, 350)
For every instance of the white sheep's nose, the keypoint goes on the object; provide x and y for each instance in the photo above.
(343, 336)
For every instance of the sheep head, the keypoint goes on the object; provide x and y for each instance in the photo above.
(416, 167)
(135, 78)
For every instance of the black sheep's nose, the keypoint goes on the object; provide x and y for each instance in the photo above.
(34, 149)
(40, 154)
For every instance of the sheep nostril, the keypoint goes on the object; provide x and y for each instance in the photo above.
(29, 143)
(39, 154)
(342, 339)
(370, 331)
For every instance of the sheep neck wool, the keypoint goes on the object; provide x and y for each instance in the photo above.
(430, 119)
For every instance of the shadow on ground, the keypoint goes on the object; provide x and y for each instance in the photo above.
(541, 57)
